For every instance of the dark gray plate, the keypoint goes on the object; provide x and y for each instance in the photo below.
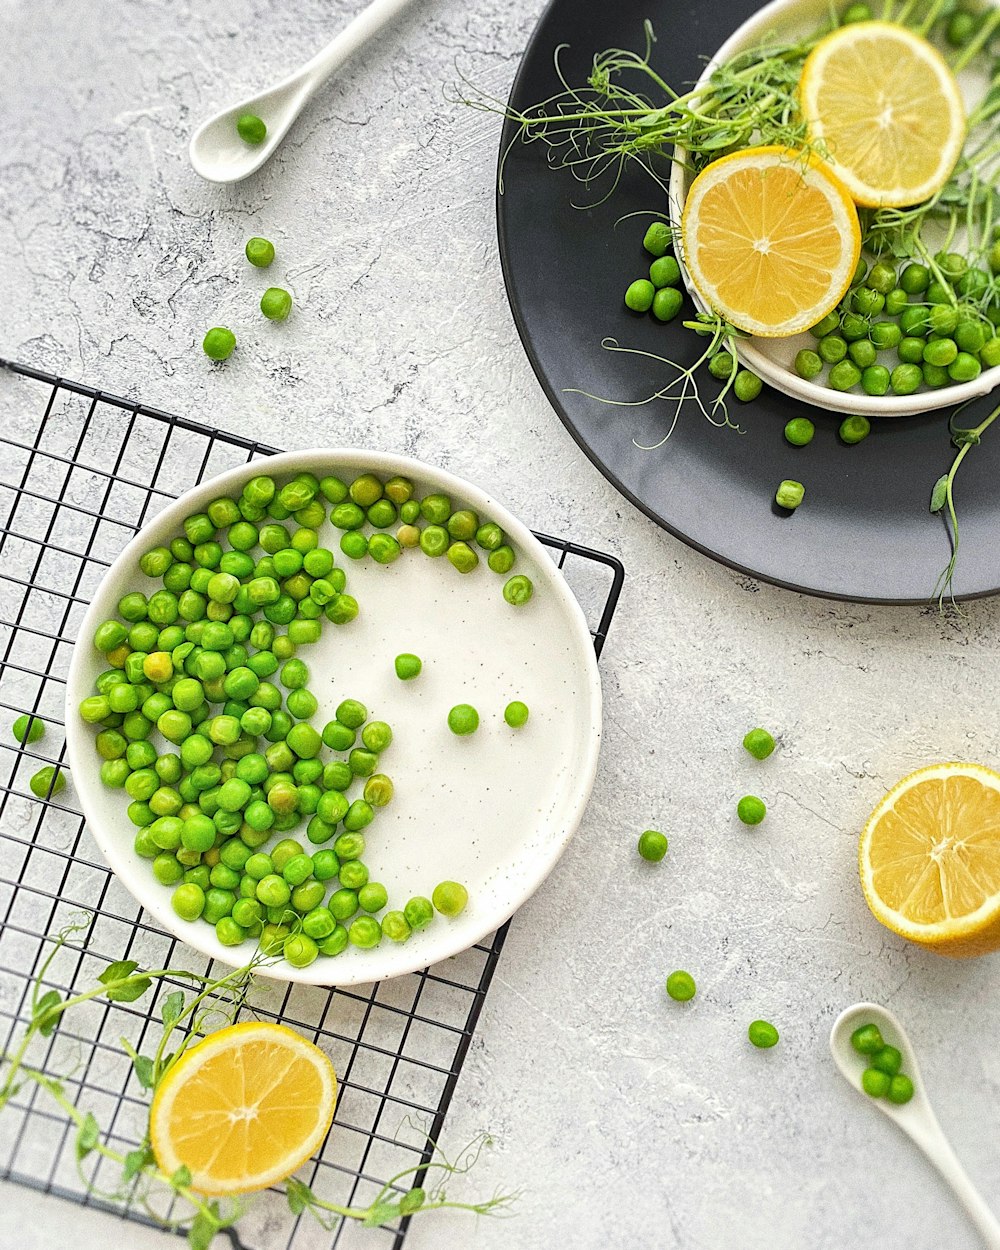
(864, 531)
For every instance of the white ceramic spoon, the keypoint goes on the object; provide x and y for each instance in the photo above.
(217, 151)
(916, 1118)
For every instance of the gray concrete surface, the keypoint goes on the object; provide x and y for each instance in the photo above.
(626, 1120)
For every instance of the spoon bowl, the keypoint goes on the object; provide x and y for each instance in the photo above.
(916, 1118)
(218, 153)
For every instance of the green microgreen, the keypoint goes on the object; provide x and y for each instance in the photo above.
(188, 1011)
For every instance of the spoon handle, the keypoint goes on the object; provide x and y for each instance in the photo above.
(357, 32)
(937, 1148)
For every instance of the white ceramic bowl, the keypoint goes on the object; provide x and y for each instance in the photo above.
(494, 810)
(772, 359)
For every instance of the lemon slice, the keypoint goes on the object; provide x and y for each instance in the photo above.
(243, 1109)
(883, 107)
(771, 240)
(930, 859)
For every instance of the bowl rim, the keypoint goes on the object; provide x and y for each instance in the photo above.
(782, 378)
(132, 872)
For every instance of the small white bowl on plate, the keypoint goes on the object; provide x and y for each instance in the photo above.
(773, 359)
(494, 810)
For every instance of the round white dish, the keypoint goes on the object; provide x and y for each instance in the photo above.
(772, 359)
(494, 810)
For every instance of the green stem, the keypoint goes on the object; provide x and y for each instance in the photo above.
(972, 437)
(975, 46)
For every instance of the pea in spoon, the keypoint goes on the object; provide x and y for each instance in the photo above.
(916, 1118)
(217, 151)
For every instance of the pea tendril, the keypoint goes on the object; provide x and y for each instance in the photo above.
(142, 1180)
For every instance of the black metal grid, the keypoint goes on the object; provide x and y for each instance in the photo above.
(81, 472)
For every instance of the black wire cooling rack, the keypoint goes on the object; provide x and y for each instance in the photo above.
(81, 472)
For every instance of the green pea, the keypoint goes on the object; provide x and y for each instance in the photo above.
(911, 350)
(300, 950)
(378, 790)
(906, 378)
(844, 376)
(875, 380)
(652, 845)
(808, 364)
(219, 343)
(867, 1040)
(188, 901)
(940, 293)
(518, 590)
(882, 277)
(722, 365)
(888, 1060)
(384, 549)
(516, 714)
(167, 869)
(343, 904)
(502, 560)
(276, 304)
(326, 865)
(875, 1083)
(990, 354)
(372, 896)
(867, 302)
(251, 129)
(856, 13)
(759, 743)
(915, 279)
(747, 386)
(964, 368)
(934, 375)
(940, 352)
(395, 926)
(854, 429)
(762, 1034)
(900, 1089)
(450, 898)
(681, 986)
(885, 335)
(751, 810)
(418, 912)
(342, 610)
(47, 782)
(970, 336)
(832, 348)
(658, 238)
(359, 816)
(409, 512)
(896, 301)
(365, 932)
(434, 540)
(822, 328)
(28, 729)
(863, 353)
(639, 295)
(853, 327)
(462, 557)
(799, 431)
(668, 301)
(789, 494)
(463, 719)
(407, 666)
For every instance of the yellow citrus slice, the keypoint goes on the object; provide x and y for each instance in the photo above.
(243, 1109)
(882, 105)
(771, 240)
(930, 859)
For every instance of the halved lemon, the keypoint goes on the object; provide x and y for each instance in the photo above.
(886, 110)
(930, 859)
(771, 240)
(243, 1109)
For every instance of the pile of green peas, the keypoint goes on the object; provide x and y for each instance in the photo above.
(882, 1078)
(203, 716)
(899, 331)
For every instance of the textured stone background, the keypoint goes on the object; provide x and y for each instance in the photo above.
(625, 1119)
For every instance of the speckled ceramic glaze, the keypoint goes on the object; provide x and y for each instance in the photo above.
(493, 810)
